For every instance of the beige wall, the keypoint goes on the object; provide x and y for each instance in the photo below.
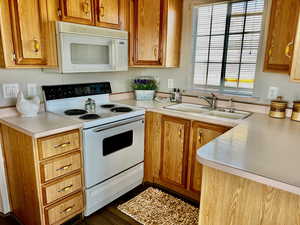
(182, 76)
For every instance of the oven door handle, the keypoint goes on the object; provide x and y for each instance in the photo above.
(117, 124)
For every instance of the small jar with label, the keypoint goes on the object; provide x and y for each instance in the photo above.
(296, 111)
(278, 108)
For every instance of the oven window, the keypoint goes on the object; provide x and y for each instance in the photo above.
(118, 142)
(89, 54)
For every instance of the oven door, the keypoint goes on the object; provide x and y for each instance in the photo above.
(84, 53)
(111, 149)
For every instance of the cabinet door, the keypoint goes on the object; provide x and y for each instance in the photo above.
(27, 32)
(147, 32)
(281, 35)
(108, 13)
(174, 150)
(77, 11)
(295, 71)
(202, 133)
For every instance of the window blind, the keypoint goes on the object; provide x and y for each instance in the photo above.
(227, 37)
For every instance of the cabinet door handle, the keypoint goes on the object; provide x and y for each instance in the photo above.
(63, 145)
(36, 45)
(86, 8)
(288, 49)
(64, 167)
(102, 11)
(67, 209)
(65, 188)
(155, 52)
(200, 137)
(270, 52)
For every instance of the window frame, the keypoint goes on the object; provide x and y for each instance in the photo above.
(221, 88)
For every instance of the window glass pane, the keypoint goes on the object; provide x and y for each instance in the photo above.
(200, 70)
(204, 20)
(251, 44)
(216, 49)
(234, 48)
(236, 24)
(219, 19)
(238, 8)
(253, 23)
(232, 75)
(236, 39)
(202, 46)
(255, 6)
(247, 76)
(214, 74)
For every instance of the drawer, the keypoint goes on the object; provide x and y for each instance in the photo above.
(60, 166)
(64, 210)
(61, 188)
(58, 144)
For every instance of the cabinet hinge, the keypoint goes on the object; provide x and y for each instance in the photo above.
(59, 12)
(14, 57)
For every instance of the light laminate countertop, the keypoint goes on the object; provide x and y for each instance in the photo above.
(259, 148)
(44, 124)
(262, 149)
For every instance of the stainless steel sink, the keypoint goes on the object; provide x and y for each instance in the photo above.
(205, 111)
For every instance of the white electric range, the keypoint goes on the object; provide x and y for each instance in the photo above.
(112, 137)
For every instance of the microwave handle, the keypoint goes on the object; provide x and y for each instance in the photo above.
(114, 54)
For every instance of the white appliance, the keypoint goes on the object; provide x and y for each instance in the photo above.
(113, 139)
(83, 49)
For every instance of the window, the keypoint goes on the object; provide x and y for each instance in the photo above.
(227, 37)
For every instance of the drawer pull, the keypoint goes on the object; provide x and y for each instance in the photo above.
(69, 209)
(64, 167)
(63, 145)
(67, 188)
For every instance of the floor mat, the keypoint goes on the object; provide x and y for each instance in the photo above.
(154, 207)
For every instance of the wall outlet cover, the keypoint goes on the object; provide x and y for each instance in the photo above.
(31, 90)
(273, 93)
(170, 83)
(10, 90)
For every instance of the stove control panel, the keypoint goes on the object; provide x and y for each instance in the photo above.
(75, 90)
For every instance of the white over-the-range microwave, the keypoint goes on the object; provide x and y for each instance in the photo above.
(86, 49)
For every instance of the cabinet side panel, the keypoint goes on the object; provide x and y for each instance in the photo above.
(174, 27)
(20, 165)
(229, 199)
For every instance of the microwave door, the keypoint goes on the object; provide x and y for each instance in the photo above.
(82, 53)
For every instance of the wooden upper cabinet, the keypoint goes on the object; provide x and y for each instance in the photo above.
(77, 11)
(295, 70)
(281, 35)
(202, 133)
(28, 34)
(27, 38)
(108, 13)
(147, 40)
(174, 150)
(155, 33)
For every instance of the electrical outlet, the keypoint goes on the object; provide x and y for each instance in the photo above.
(31, 90)
(273, 92)
(10, 90)
(170, 83)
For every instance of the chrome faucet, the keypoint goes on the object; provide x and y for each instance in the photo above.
(212, 101)
(90, 105)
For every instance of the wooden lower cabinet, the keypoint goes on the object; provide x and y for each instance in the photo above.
(43, 191)
(174, 150)
(201, 134)
(170, 152)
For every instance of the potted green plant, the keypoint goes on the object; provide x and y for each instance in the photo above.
(144, 88)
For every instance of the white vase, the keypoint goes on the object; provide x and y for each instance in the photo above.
(144, 95)
(27, 107)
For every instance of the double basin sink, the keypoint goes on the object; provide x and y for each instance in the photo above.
(224, 113)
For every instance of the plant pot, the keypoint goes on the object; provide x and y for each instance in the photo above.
(144, 95)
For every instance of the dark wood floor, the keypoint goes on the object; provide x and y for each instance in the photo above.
(109, 215)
